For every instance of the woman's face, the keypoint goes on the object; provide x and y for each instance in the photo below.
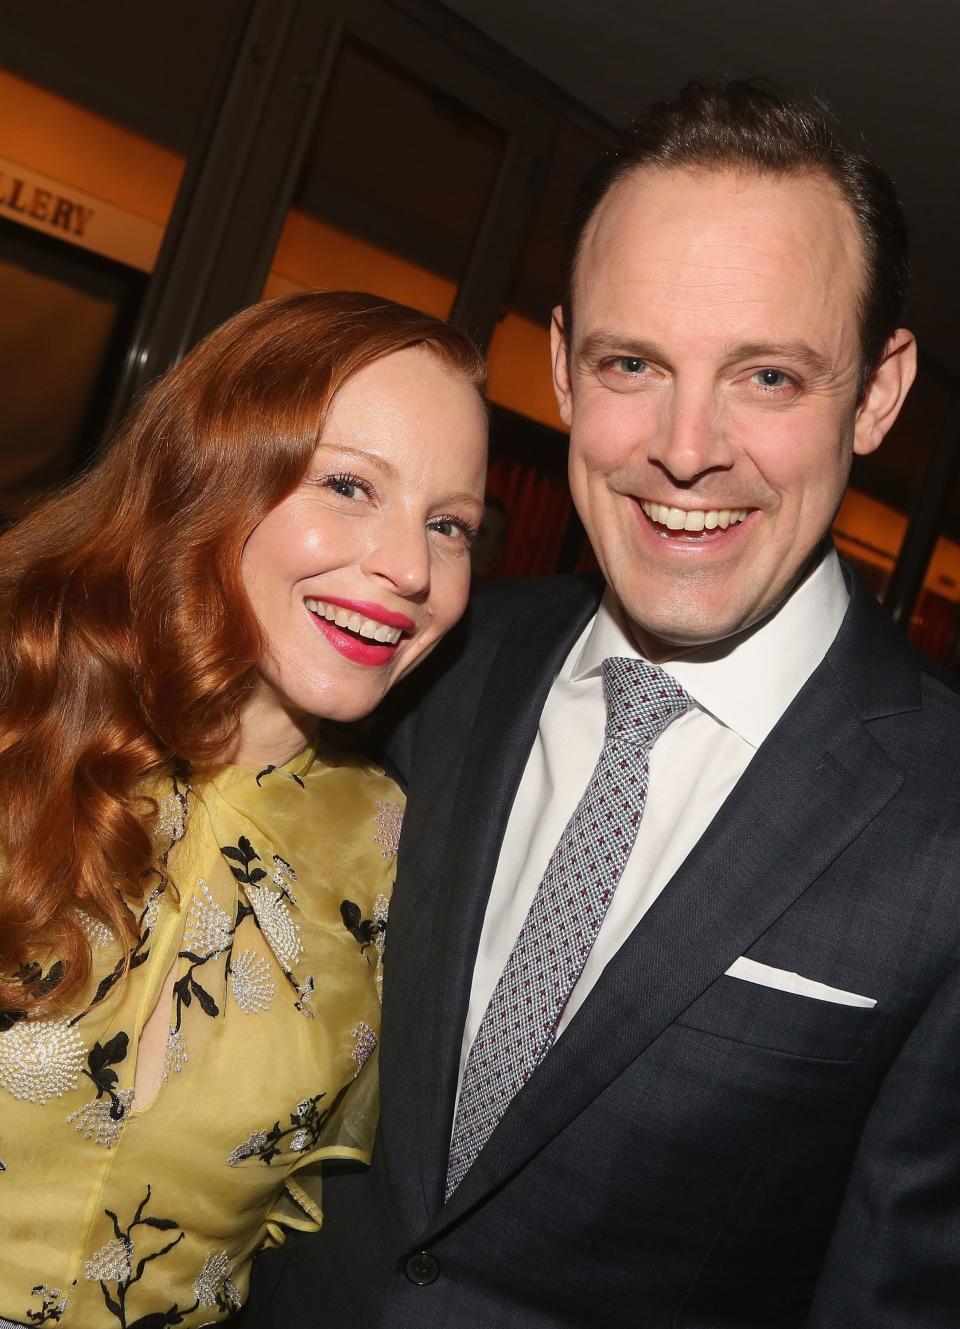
(359, 572)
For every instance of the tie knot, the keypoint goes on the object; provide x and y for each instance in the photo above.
(641, 701)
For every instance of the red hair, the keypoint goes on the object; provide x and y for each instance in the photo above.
(126, 639)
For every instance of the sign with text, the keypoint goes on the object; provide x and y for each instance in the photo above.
(60, 210)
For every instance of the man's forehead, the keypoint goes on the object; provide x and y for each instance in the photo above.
(706, 231)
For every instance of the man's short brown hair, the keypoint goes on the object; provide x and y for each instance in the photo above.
(751, 125)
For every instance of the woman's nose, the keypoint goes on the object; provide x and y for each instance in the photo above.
(401, 556)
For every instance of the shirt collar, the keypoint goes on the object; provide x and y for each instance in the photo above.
(748, 683)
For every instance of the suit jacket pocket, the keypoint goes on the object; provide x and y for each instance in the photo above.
(783, 1021)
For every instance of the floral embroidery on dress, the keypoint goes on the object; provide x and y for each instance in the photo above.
(389, 824)
(271, 909)
(102, 1119)
(40, 1059)
(284, 875)
(96, 1120)
(215, 1286)
(209, 928)
(171, 817)
(175, 1054)
(97, 933)
(52, 1305)
(114, 1264)
(364, 1041)
(277, 924)
(111, 1263)
(303, 1132)
(367, 931)
(251, 983)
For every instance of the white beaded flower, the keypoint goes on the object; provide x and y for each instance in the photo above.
(40, 1059)
(276, 924)
(389, 824)
(171, 817)
(97, 933)
(94, 1122)
(364, 1041)
(175, 1054)
(251, 1145)
(251, 983)
(209, 927)
(214, 1285)
(110, 1264)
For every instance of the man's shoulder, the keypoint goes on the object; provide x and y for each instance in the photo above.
(499, 602)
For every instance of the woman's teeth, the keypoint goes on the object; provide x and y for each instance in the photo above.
(677, 519)
(363, 627)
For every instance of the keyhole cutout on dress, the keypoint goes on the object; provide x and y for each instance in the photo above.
(153, 1043)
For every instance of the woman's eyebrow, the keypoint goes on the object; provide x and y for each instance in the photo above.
(360, 454)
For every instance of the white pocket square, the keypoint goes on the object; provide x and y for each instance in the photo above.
(751, 971)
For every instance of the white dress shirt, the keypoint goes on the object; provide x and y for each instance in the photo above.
(739, 695)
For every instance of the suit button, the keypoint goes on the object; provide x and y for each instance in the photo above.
(422, 1268)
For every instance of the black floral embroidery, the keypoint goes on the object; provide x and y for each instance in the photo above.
(242, 855)
(270, 770)
(188, 987)
(139, 955)
(114, 1269)
(303, 1132)
(30, 975)
(100, 1063)
(270, 911)
(364, 930)
(52, 1305)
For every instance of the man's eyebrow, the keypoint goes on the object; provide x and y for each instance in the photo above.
(600, 343)
(360, 454)
(797, 351)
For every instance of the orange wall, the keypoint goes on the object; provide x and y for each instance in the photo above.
(58, 138)
(55, 136)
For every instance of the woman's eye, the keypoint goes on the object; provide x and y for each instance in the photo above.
(347, 486)
(454, 528)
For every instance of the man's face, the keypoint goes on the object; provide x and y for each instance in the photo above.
(712, 392)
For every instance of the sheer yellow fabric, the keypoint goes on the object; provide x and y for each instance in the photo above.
(111, 1214)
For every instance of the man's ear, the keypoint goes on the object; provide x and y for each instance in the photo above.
(885, 392)
(561, 367)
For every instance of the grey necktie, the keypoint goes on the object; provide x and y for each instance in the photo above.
(520, 1023)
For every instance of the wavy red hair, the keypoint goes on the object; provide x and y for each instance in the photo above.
(126, 639)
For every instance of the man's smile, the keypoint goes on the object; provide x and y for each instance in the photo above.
(690, 525)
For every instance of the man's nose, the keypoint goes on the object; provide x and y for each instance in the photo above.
(691, 439)
(401, 557)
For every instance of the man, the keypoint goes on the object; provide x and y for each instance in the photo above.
(695, 1059)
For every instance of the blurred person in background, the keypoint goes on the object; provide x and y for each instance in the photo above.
(489, 542)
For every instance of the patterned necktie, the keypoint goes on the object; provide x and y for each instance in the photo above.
(520, 1023)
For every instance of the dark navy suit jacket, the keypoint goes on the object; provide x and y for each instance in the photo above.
(696, 1150)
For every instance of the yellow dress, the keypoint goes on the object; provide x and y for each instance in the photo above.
(114, 1217)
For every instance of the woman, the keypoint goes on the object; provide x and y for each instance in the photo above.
(194, 900)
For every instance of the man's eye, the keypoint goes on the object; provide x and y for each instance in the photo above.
(631, 364)
(772, 378)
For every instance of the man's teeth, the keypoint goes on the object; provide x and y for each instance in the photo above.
(676, 519)
(364, 627)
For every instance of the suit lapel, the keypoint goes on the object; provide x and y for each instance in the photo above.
(813, 786)
(426, 1000)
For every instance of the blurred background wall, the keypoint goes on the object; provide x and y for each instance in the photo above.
(161, 166)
